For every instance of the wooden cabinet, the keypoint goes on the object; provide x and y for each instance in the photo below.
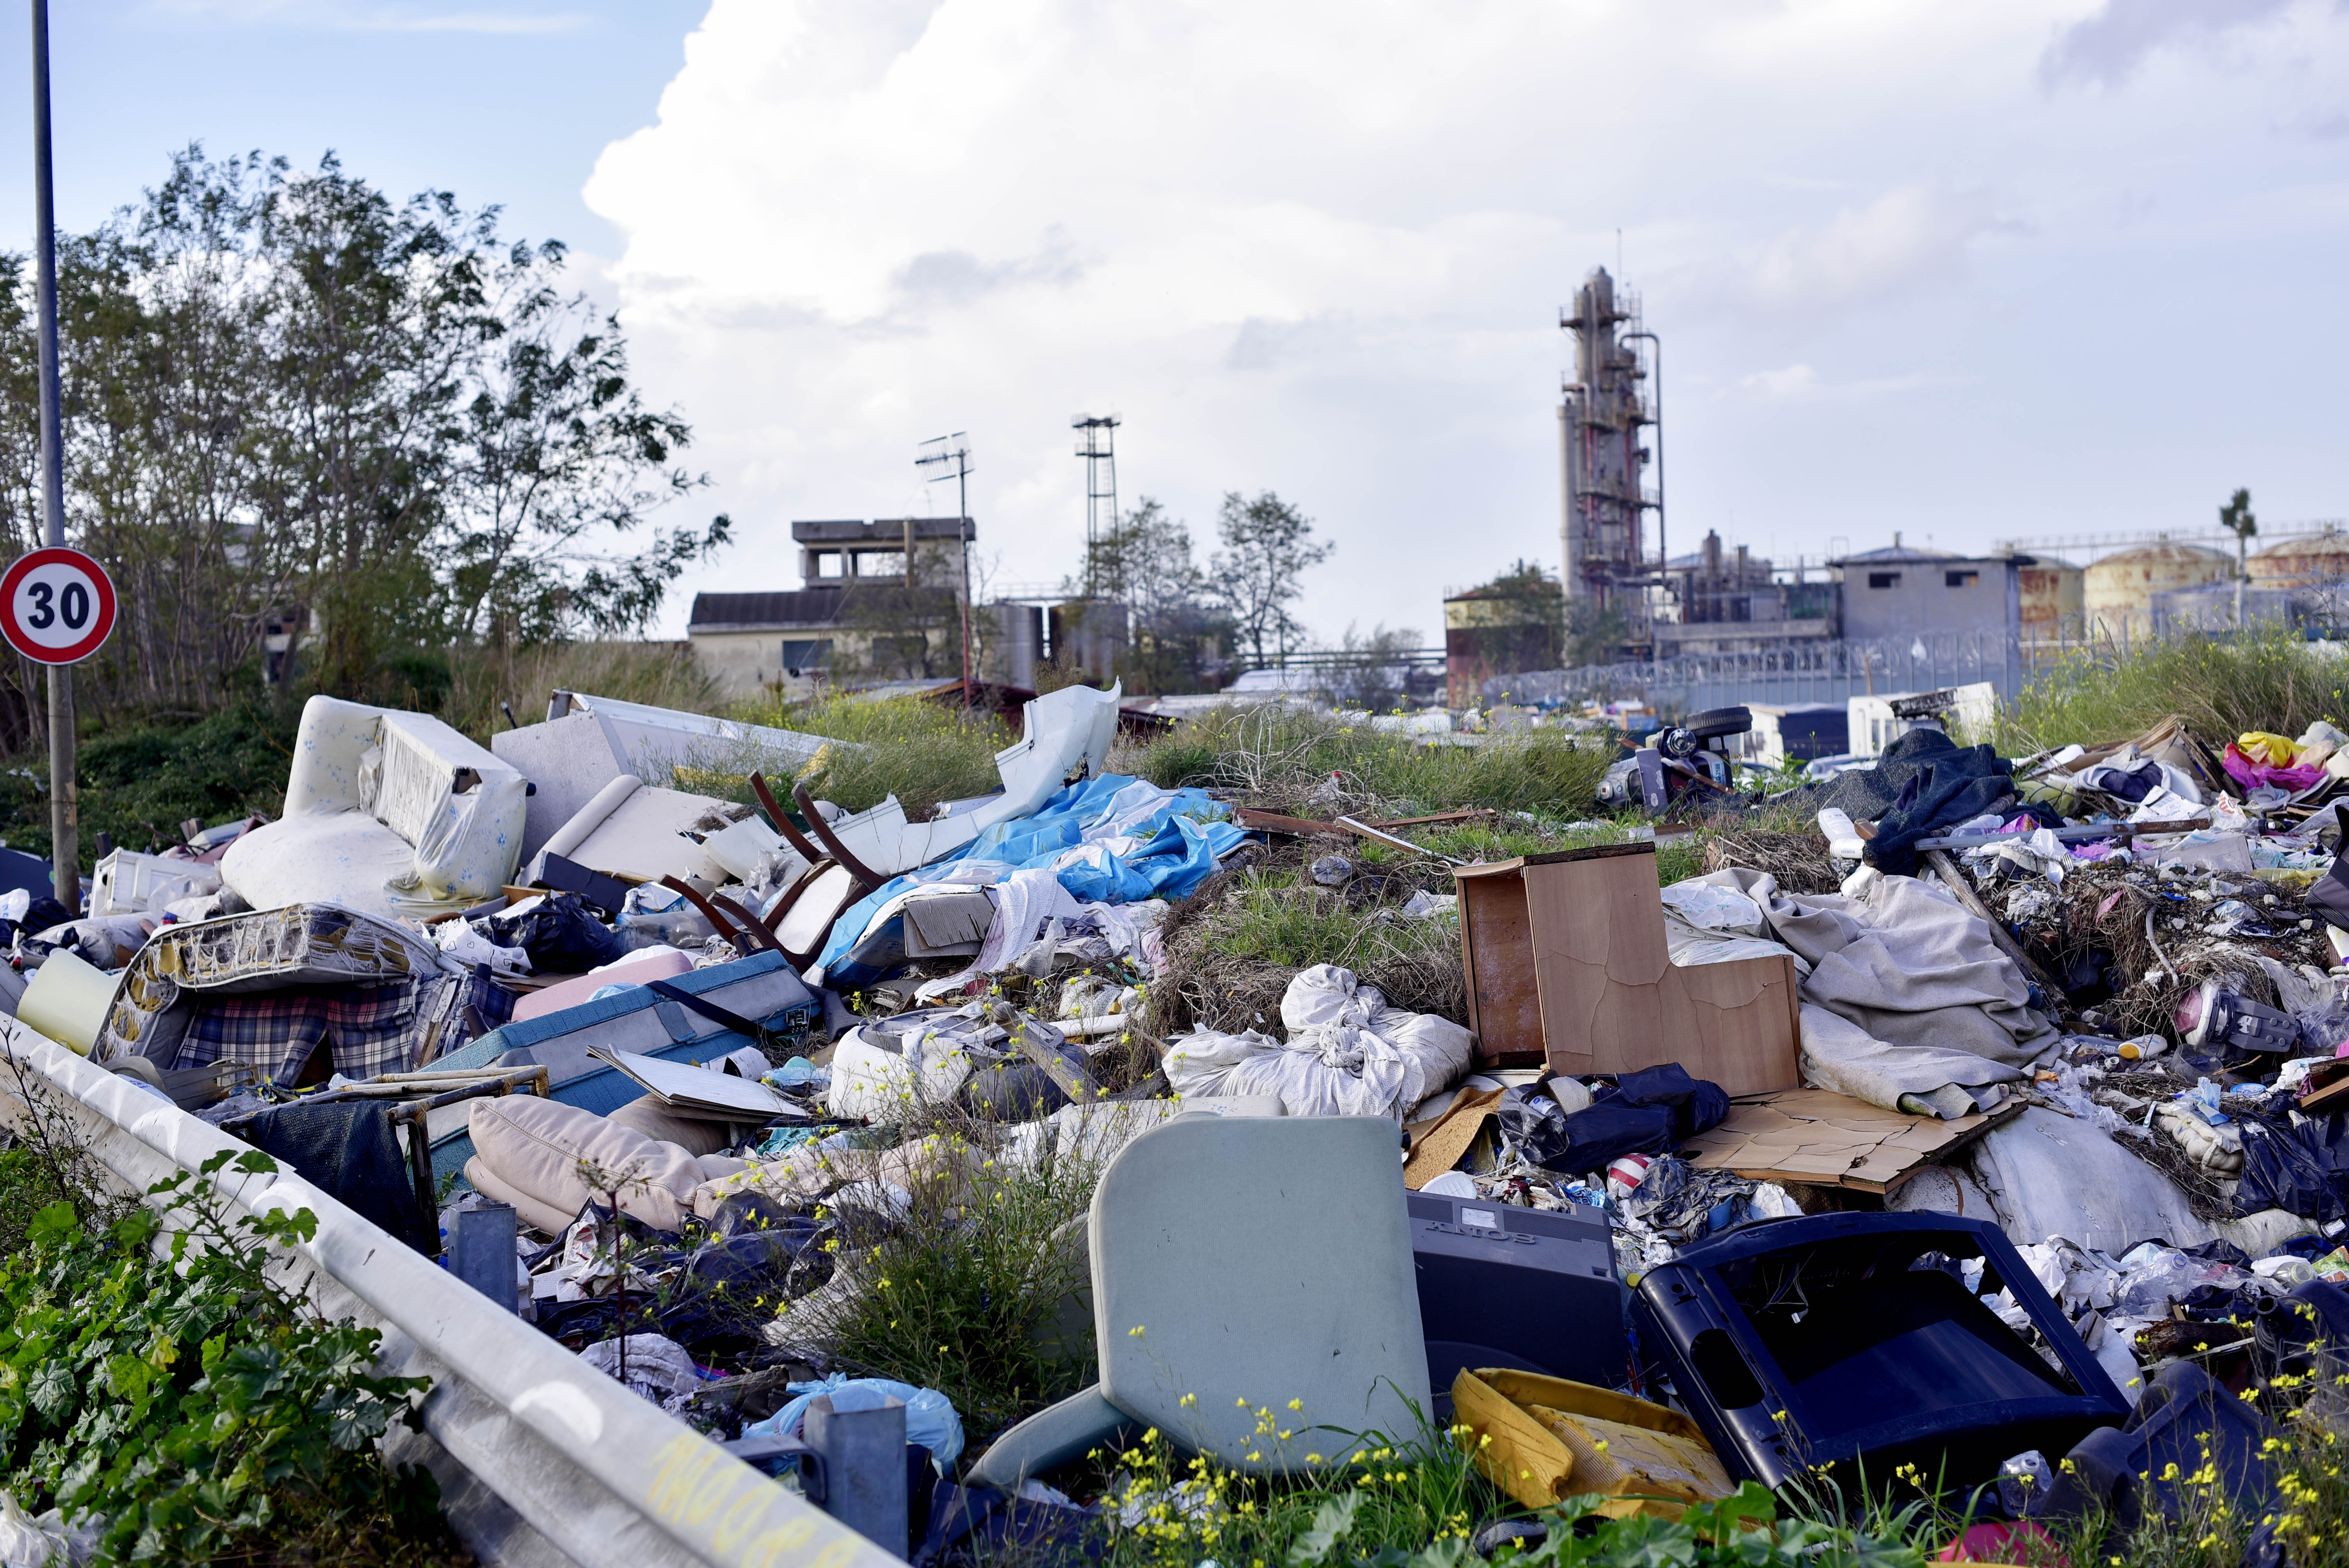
(1567, 966)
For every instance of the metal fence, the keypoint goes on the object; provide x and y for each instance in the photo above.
(1793, 673)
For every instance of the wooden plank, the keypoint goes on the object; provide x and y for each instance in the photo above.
(1496, 946)
(1962, 891)
(1467, 815)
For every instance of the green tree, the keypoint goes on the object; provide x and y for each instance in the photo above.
(289, 399)
(1269, 546)
(2237, 519)
(1144, 565)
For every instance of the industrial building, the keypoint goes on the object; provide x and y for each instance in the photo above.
(2120, 589)
(882, 597)
(1602, 420)
(1903, 591)
(1499, 629)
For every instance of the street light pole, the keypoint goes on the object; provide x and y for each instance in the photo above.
(65, 851)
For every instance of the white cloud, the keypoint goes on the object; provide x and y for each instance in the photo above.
(1319, 248)
(1912, 233)
(2108, 46)
(1794, 381)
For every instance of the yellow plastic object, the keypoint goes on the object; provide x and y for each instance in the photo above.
(67, 999)
(1542, 1440)
(2273, 750)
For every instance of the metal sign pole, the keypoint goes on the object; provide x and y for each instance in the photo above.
(65, 864)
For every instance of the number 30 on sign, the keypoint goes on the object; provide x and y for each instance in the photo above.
(56, 606)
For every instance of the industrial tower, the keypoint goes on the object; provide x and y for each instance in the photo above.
(1601, 420)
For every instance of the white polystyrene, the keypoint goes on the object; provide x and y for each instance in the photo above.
(374, 819)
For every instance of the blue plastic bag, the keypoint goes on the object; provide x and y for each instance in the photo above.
(930, 1418)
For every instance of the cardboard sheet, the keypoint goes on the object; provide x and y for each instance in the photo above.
(1826, 1139)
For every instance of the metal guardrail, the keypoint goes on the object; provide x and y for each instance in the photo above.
(540, 1460)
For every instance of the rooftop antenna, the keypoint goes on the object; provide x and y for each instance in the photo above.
(950, 455)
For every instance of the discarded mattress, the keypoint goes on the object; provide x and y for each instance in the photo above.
(1908, 996)
(1348, 1053)
(536, 1153)
(389, 813)
(265, 987)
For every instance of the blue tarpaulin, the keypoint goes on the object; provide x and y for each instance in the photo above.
(1110, 840)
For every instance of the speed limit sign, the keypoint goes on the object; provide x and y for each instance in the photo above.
(56, 606)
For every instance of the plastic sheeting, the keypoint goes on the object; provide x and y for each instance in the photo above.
(1110, 840)
(1348, 1053)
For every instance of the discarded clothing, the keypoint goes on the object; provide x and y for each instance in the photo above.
(1348, 1053)
(1906, 994)
(349, 1151)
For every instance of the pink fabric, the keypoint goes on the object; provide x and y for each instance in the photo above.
(571, 993)
(2252, 775)
(1998, 1542)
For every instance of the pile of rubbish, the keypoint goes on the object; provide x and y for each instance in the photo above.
(2019, 1086)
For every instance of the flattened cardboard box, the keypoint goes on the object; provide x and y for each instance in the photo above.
(1826, 1139)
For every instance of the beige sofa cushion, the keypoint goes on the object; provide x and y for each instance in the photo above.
(645, 1115)
(529, 1210)
(534, 1147)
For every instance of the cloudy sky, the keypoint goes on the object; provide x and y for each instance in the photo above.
(1972, 270)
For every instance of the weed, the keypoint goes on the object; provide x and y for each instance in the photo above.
(2266, 680)
(1291, 759)
(975, 1285)
(1165, 1510)
(921, 752)
(157, 1376)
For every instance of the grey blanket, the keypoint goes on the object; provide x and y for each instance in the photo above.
(1906, 994)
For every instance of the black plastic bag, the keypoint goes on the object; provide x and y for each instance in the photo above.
(1645, 1113)
(562, 935)
(2303, 1169)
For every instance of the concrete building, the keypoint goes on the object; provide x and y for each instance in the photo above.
(876, 600)
(2119, 589)
(1496, 630)
(2053, 601)
(1905, 591)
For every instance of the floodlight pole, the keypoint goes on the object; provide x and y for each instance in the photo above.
(65, 849)
(958, 454)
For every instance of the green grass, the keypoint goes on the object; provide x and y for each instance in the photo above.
(980, 1294)
(2266, 681)
(1285, 756)
(921, 752)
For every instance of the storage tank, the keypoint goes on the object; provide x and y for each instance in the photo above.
(2053, 599)
(2302, 563)
(2117, 591)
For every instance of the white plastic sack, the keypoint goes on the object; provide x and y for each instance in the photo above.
(1348, 1053)
(881, 1084)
